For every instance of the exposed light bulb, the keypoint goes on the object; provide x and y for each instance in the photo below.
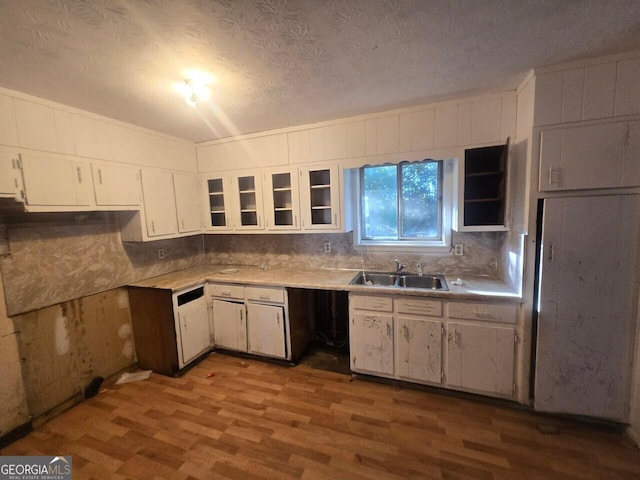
(194, 90)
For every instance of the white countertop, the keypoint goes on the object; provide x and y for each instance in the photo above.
(472, 288)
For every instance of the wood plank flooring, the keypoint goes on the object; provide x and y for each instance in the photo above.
(257, 420)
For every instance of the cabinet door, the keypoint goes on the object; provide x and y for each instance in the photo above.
(480, 357)
(320, 197)
(193, 325)
(595, 156)
(186, 188)
(481, 197)
(247, 191)
(282, 206)
(217, 203)
(419, 347)
(159, 203)
(265, 328)
(56, 181)
(371, 343)
(8, 174)
(230, 325)
(116, 185)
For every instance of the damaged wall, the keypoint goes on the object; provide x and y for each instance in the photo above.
(13, 403)
(65, 346)
(67, 316)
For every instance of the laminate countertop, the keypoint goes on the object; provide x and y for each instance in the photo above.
(472, 288)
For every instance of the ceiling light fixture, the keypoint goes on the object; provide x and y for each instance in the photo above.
(194, 89)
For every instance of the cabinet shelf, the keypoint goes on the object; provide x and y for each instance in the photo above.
(316, 187)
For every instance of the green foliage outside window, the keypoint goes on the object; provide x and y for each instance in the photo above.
(402, 202)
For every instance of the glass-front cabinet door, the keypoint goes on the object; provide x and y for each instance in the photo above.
(282, 206)
(217, 198)
(248, 191)
(320, 197)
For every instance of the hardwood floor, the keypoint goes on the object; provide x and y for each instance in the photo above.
(256, 420)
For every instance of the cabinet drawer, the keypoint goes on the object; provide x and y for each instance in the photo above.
(226, 291)
(368, 302)
(419, 306)
(272, 295)
(483, 311)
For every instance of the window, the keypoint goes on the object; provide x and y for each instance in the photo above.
(403, 204)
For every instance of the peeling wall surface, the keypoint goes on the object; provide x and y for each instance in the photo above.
(66, 345)
(57, 261)
(13, 402)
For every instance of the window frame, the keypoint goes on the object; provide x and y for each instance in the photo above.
(440, 245)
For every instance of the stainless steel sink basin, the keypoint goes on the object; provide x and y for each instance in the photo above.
(377, 279)
(432, 282)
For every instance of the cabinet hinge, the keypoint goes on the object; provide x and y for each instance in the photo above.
(515, 388)
(442, 377)
(442, 330)
(516, 338)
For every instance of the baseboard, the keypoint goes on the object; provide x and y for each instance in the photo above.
(15, 434)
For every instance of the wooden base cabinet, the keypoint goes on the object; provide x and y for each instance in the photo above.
(170, 329)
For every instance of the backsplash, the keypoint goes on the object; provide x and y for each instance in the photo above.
(481, 253)
(72, 256)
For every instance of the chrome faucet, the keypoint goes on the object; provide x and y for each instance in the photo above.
(399, 266)
(419, 269)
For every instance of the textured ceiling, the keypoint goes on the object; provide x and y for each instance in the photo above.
(281, 63)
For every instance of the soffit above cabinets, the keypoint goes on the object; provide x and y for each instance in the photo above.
(282, 63)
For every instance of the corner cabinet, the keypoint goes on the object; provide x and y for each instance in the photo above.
(480, 193)
(170, 329)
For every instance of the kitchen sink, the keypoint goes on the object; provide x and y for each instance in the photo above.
(404, 280)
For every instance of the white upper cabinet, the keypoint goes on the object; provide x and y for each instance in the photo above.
(9, 172)
(36, 126)
(281, 199)
(52, 183)
(159, 203)
(187, 194)
(116, 185)
(263, 151)
(605, 155)
(320, 197)
(607, 88)
(246, 191)
(217, 203)
(8, 125)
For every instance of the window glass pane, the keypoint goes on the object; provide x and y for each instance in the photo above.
(420, 200)
(380, 202)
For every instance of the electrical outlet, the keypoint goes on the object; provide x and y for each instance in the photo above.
(458, 249)
(161, 253)
(327, 247)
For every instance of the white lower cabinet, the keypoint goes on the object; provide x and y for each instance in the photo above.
(192, 325)
(480, 357)
(251, 319)
(420, 340)
(371, 334)
(419, 331)
(266, 330)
